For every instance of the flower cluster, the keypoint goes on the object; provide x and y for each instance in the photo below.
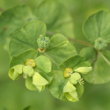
(74, 77)
(33, 78)
(38, 58)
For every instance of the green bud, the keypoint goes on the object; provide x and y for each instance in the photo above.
(15, 71)
(43, 42)
(83, 70)
(100, 44)
(28, 71)
(75, 78)
(70, 92)
(39, 81)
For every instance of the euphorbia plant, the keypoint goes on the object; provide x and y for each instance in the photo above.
(38, 56)
(45, 57)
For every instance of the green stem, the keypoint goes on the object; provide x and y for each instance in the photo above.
(74, 40)
(81, 42)
(104, 57)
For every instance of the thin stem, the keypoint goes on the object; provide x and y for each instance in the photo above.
(81, 42)
(95, 59)
(104, 57)
(74, 40)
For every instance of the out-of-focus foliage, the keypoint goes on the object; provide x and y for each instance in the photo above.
(14, 96)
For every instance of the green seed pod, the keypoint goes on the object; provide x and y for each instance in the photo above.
(39, 81)
(15, 71)
(28, 71)
(83, 70)
(43, 42)
(70, 92)
(100, 44)
(75, 78)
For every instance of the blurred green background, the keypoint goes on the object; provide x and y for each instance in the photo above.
(14, 95)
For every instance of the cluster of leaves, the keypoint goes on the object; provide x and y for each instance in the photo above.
(44, 57)
(41, 61)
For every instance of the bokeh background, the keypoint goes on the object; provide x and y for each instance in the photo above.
(14, 95)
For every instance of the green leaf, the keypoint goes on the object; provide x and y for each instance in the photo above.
(101, 69)
(6, 4)
(56, 87)
(44, 64)
(75, 62)
(14, 18)
(26, 38)
(97, 26)
(60, 49)
(86, 53)
(57, 22)
(22, 58)
(41, 9)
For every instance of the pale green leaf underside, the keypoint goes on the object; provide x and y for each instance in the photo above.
(26, 38)
(97, 25)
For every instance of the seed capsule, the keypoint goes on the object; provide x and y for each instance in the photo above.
(100, 44)
(43, 43)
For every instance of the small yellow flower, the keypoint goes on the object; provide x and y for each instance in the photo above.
(68, 72)
(28, 71)
(30, 62)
